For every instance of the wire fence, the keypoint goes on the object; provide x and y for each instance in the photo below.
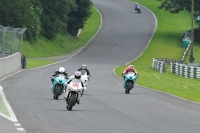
(10, 40)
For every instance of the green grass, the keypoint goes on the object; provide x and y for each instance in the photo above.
(61, 45)
(3, 108)
(32, 63)
(166, 44)
(196, 52)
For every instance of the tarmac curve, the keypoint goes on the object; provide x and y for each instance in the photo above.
(104, 108)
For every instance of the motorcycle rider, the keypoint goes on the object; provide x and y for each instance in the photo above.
(84, 67)
(137, 6)
(77, 75)
(61, 70)
(130, 68)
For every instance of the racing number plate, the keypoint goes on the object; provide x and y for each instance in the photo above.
(75, 84)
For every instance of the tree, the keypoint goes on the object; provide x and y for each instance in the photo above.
(20, 13)
(33, 31)
(174, 6)
(193, 6)
(78, 16)
(54, 16)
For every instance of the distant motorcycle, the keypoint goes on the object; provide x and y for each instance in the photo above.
(129, 81)
(137, 8)
(59, 85)
(73, 93)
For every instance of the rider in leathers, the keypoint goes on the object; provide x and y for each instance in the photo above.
(130, 68)
(61, 70)
(137, 6)
(84, 67)
(77, 75)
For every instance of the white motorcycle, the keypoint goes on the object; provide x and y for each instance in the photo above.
(73, 93)
(85, 77)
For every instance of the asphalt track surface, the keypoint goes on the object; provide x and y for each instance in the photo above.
(104, 108)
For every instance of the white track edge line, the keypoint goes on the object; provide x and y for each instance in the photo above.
(1, 114)
(20, 129)
(141, 54)
(10, 110)
(157, 90)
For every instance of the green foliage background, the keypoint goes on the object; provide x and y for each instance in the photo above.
(44, 18)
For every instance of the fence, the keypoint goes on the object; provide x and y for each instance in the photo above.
(10, 40)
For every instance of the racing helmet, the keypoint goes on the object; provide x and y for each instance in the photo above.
(84, 66)
(61, 70)
(131, 68)
(77, 75)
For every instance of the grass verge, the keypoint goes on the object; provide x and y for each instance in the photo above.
(61, 45)
(165, 44)
(3, 108)
(33, 63)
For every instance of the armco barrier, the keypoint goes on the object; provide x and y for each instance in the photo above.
(10, 64)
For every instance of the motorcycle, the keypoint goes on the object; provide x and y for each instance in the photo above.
(137, 8)
(129, 81)
(59, 85)
(85, 77)
(73, 93)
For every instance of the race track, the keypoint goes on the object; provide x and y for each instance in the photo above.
(104, 108)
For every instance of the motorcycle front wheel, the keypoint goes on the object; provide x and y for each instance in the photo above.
(57, 92)
(128, 87)
(72, 101)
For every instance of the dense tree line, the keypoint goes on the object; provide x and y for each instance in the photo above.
(45, 17)
(174, 6)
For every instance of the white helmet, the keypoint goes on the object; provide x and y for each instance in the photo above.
(131, 67)
(77, 74)
(84, 66)
(61, 69)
